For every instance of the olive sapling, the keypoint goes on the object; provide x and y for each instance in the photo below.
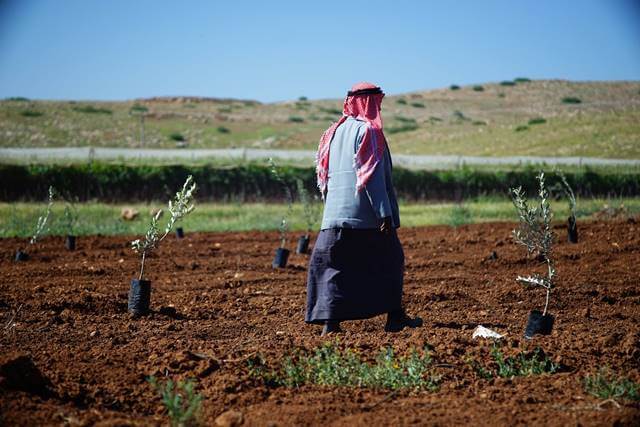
(183, 204)
(310, 213)
(572, 225)
(282, 253)
(42, 225)
(536, 234)
(70, 218)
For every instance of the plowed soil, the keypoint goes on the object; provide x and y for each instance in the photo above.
(70, 354)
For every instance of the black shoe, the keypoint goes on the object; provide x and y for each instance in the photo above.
(399, 320)
(331, 327)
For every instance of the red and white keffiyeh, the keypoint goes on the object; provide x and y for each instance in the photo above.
(363, 102)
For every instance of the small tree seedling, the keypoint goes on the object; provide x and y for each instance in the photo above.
(284, 225)
(42, 226)
(69, 218)
(182, 205)
(572, 225)
(282, 254)
(43, 220)
(535, 233)
(310, 210)
(180, 400)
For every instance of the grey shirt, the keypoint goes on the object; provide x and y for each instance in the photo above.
(344, 208)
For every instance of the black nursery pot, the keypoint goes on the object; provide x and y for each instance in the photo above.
(280, 261)
(21, 256)
(538, 324)
(179, 233)
(70, 242)
(303, 245)
(139, 297)
(572, 230)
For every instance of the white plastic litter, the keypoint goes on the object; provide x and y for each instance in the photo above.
(482, 332)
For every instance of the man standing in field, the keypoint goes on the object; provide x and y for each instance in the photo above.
(357, 265)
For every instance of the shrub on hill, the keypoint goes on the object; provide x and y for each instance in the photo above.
(90, 109)
(571, 100)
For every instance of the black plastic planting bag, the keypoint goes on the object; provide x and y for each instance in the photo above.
(572, 230)
(538, 324)
(21, 256)
(139, 297)
(280, 260)
(303, 245)
(70, 243)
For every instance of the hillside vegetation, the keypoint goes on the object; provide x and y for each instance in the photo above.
(546, 118)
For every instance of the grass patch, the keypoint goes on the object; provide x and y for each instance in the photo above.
(90, 109)
(19, 219)
(330, 110)
(434, 119)
(522, 128)
(459, 215)
(330, 366)
(478, 88)
(417, 104)
(571, 100)
(222, 129)
(405, 127)
(479, 123)
(296, 119)
(605, 384)
(31, 113)
(537, 121)
(524, 364)
(501, 95)
(507, 83)
(401, 101)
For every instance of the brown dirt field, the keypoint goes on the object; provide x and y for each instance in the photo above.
(73, 328)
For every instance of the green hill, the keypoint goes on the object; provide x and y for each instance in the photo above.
(550, 118)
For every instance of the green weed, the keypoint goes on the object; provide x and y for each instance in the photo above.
(522, 128)
(524, 364)
(605, 384)
(329, 366)
(296, 119)
(402, 101)
(180, 400)
(417, 104)
(478, 88)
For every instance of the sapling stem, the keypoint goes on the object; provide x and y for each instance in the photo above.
(182, 205)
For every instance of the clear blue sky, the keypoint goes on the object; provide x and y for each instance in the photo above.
(278, 50)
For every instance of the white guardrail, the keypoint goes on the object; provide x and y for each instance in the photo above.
(249, 154)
